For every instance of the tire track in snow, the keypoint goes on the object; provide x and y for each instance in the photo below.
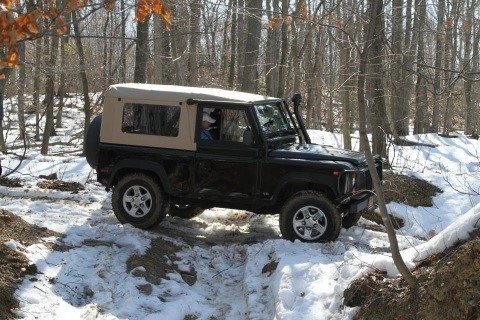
(220, 274)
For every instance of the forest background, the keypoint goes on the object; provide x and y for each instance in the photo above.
(421, 74)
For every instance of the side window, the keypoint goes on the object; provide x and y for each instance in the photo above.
(151, 119)
(234, 123)
(229, 124)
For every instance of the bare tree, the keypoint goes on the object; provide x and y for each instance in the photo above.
(194, 42)
(421, 104)
(141, 51)
(3, 81)
(83, 73)
(282, 75)
(314, 63)
(437, 82)
(233, 45)
(470, 110)
(399, 78)
(49, 92)
(161, 53)
(179, 45)
(36, 86)
(375, 10)
(22, 81)
(399, 74)
(450, 64)
(375, 84)
(345, 57)
(62, 85)
(123, 46)
(250, 78)
(272, 50)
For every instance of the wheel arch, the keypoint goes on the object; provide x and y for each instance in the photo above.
(293, 184)
(151, 168)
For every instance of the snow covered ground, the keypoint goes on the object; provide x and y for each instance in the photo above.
(244, 270)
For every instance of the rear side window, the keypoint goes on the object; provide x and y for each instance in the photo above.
(150, 119)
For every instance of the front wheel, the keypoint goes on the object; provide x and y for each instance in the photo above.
(310, 217)
(138, 200)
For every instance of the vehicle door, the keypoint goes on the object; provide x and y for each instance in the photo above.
(226, 166)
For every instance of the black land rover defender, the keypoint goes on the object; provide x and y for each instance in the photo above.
(149, 148)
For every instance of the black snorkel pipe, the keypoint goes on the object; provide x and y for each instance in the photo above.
(297, 99)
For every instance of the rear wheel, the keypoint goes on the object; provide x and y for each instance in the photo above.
(138, 200)
(310, 217)
(185, 211)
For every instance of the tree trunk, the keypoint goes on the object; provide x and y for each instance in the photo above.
(252, 46)
(401, 67)
(61, 87)
(331, 83)
(83, 75)
(272, 50)
(233, 46)
(22, 81)
(399, 88)
(421, 103)
(375, 13)
(158, 50)
(379, 115)
(6, 72)
(36, 86)
(313, 63)
(179, 46)
(282, 75)
(3, 147)
(467, 68)
(141, 51)
(296, 28)
(437, 82)
(241, 38)
(123, 44)
(450, 65)
(194, 42)
(345, 78)
(105, 44)
(49, 94)
(226, 47)
(474, 117)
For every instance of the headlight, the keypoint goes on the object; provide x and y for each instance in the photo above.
(348, 183)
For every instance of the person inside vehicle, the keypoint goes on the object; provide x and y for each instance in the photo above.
(206, 122)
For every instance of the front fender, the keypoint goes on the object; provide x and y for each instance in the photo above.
(293, 182)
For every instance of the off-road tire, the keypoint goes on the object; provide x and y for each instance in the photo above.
(138, 199)
(310, 217)
(184, 211)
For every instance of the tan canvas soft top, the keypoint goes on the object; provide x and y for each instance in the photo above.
(179, 93)
(117, 95)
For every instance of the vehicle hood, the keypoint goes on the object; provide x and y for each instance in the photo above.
(318, 152)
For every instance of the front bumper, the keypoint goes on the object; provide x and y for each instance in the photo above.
(361, 202)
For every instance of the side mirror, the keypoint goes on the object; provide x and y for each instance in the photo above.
(247, 137)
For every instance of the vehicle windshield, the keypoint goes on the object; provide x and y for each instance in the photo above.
(274, 120)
